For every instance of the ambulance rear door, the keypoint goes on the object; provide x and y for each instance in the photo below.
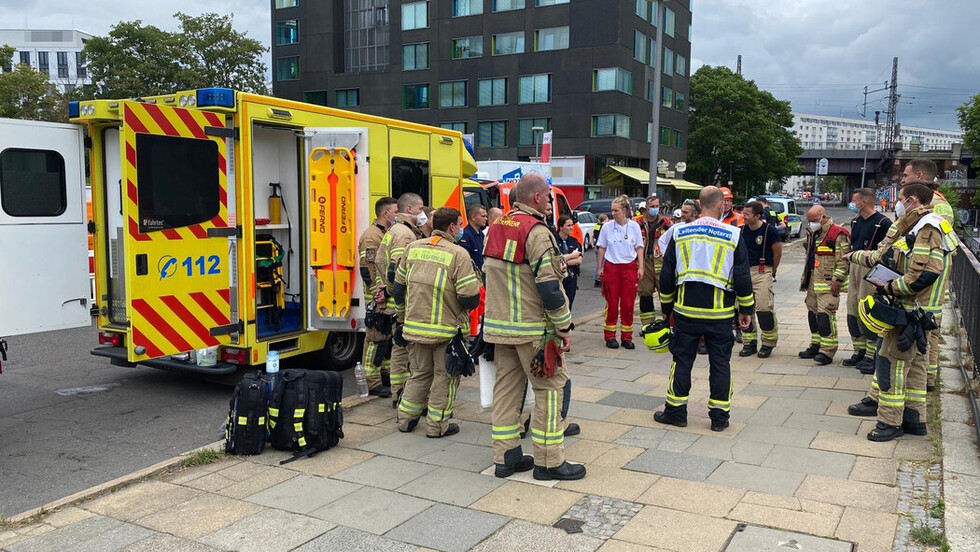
(44, 283)
(179, 215)
(338, 210)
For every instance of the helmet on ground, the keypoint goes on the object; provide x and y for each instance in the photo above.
(878, 315)
(656, 336)
(728, 192)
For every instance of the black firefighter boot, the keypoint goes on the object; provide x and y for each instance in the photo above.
(857, 357)
(912, 424)
(749, 348)
(883, 432)
(867, 407)
(810, 351)
(867, 365)
(514, 461)
(565, 472)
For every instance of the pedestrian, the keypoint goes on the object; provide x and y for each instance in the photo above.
(770, 216)
(675, 218)
(689, 212)
(705, 272)
(898, 390)
(472, 242)
(407, 228)
(603, 218)
(525, 303)
(378, 332)
(824, 272)
(620, 247)
(434, 288)
(652, 226)
(729, 215)
(765, 249)
(868, 229)
(571, 249)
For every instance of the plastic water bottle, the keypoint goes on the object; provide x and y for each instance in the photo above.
(272, 368)
(361, 377)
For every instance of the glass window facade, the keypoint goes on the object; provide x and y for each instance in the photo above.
(415, 96)
(462, 8)
(415, 56)
(525, 136)
(611, 125)
(287, 32)
(287, 68)
(534, 89)
(415, 15)
(508, 43)
(452, 94)
(507, 5)
(555, 38)
(612, 78)
(468, 47)
(492, 92)
(491, 134)
(350, 97)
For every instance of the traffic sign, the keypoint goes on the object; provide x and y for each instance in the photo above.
(822, 166)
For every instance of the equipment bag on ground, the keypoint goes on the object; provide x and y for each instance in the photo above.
(245, 430)
(305, 413)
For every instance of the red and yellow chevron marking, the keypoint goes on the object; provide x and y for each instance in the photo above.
(145, 118)
(177, 323)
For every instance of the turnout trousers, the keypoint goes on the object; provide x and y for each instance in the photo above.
(899, 383)
(764, 309)
(374, 373)
(822, 316)
(857, 290)
(647, 286)
(399, 369)
(429, 389)
(619, 289)
(719, 339)
(547, 420)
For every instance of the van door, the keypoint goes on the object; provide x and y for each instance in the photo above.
(179, 265)
(44, 271)
(409, 158)
(338, 208)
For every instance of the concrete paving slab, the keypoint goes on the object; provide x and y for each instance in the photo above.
(756, 478)
(795, 405)
(771, 417)
(624, 386)
(162, 542)
(961, 459)
(352, 540)
(613, 545)
(589, 394)
(805, 460)
(590, 411)
(875, 470)
(692, 496)
(777, 435)
(94, 534)
(522, 477)
(660, 525)
(783, 369)
(841, 395)
(743, 452)
(409, 446)
(617, 456)
(769, 390)
(629, 373)
(873, 531)
(652, 438)
(462, 456)
(611, 482)
(199, 516)
(303, 493)
(916, 447)
(633, 400)
(472, 433)
(261, 480)
(448, 528)
(820, 422)
(373, 510)
(523, 536)
(384, 472)
(808, 381)
(68, 516)
(267, 531)
(867, 496)
(140, 500)
(329, 462)
(357, 435)
(586, 381)
(754, 539)
(852, 444)
(601, 431)
(534, 504)
(452, 486)
(672, 464)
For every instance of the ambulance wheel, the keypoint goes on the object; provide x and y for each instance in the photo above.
(342, 350)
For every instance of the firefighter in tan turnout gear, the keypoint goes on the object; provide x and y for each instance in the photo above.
(378, 336)
(824, 273)
(435, 288)
(404, 231)
(526, 303)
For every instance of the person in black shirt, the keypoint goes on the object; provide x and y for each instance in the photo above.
(765, 250)
(770, 216)
(867, 229)
(571, 249)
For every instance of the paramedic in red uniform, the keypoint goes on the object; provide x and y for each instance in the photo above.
(620, 246)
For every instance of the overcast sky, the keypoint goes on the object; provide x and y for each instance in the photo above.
(817, 53)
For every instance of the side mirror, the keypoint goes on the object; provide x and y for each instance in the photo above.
(575, 218)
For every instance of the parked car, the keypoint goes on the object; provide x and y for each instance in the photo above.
(596, 206)
(587, 222)
(785, 208)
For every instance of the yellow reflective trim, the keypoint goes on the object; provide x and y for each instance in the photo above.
(242, 420)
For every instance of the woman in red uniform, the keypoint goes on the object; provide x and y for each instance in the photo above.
(620, 244)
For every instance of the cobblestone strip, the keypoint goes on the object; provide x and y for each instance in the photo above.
(920, 491)
(602, 516)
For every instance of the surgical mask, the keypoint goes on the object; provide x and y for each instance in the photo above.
(459, 235)
(654, 211)
(900, 209)
(421, 218)
(815, 226)
(853, 206)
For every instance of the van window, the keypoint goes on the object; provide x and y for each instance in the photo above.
(475, 196)
(776, 206)
(177, 181)
(32, 183)
(410, 175)
(563, 209)
(792, 208)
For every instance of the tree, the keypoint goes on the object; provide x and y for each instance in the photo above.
(136, 60)
(733, 123)
(25, 93)
(969, 118)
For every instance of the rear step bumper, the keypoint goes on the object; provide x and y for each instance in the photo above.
(119, 357)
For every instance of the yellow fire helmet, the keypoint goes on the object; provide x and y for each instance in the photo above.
(656, 336)
(878, 315)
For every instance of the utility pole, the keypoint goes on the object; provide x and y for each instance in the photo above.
(891, 124)
(657, 72)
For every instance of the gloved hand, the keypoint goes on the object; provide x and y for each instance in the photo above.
(397, 337)
(381, 353)
(906, 337)
(921, 339)
(458, 361)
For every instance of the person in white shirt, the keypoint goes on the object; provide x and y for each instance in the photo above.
(690, 211)
(620, 244)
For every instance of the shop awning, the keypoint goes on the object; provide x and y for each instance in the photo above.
(680, 184)
(632, 172)
(644, 176)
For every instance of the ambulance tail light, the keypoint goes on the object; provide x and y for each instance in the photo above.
(215, 97)
(234, 356)
(109, 338)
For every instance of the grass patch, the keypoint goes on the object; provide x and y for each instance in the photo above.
(943, 357)
(6, 524)
(934, 417)
(928, 536)
(938, 510)
(202, 457)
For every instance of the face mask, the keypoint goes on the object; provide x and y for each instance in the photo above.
(814, 226)
(900, 209)
(459, 235)
(421, 218)
(853, 206)
(654, 211)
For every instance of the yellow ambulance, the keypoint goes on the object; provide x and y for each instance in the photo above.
(226, 223)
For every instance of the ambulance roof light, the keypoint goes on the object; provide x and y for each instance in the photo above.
(215, 97)
(72, 109)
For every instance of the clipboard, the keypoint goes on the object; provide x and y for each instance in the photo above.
(881, 273)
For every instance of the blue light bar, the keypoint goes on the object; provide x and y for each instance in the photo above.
(215, 97)
(72, 109)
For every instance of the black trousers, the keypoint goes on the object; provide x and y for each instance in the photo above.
(718, 338)
(571, 286)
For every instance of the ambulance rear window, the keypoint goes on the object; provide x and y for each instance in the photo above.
(32, 183)
(177, 181)
(410, 175)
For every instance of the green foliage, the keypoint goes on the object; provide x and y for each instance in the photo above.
(975, 200)
(136, 60)
(969, 118)
(938, 510)
(733, 123)
(926, 535)
(202, 457)
(25, 93)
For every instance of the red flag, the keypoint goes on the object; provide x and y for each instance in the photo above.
(546, 148)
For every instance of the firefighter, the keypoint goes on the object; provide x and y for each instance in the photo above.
(653, 225)
(706, 270)
(729, 215)
(407, 228)
(898, 389)
(525, 301)
(824, 273)
(925, 170)
(868, 229)
(435, 287)
(378, 332)
(764, 249)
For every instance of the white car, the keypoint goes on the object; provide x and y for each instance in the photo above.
(587, 222)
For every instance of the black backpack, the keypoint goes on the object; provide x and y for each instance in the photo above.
(305, 414)
(245, 430)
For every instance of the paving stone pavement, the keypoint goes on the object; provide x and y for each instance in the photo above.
(792, 459)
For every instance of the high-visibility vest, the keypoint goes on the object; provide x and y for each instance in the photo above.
(705, 251)
(506, 237)
(826, 247)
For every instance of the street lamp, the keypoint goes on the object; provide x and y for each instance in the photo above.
(535, 130)
(658, 20)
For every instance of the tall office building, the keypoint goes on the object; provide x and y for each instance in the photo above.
(498, 69)
(56, 53)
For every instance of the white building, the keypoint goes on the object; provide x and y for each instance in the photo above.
(56, 53)
(824, 132)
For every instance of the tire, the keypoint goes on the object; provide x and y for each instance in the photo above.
(341, 351)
